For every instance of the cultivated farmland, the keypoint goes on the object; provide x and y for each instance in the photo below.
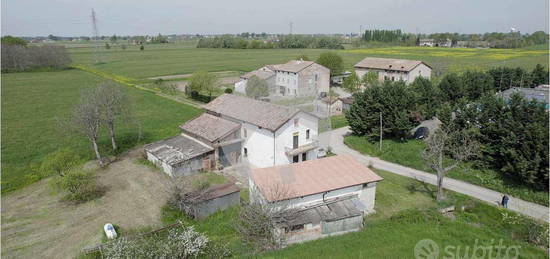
(172, 59)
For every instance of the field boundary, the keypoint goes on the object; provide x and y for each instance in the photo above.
(131, 83)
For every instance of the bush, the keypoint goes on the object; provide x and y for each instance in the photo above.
(17, 58)
(78, 186)
(59, 162)
(228, 90)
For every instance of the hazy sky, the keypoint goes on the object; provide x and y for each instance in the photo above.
(138, 17)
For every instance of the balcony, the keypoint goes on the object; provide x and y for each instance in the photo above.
(309, 145)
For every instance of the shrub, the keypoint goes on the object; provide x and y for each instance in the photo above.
(228, 90)
(78, 186)
(59, 162)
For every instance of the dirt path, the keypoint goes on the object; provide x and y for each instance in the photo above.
(34, 222)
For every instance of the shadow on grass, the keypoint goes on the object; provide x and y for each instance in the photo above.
(415, 186)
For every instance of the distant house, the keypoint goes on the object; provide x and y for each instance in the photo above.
(426, 42)
(331, 195)
(202, 203)
(328, 103)
(300, 78)
(296, 78)
(266, 73)
(394, 69)
(539, 94)
(339, 79)
(346, 103)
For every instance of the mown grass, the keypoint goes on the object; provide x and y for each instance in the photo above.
(338, 121)
(170, 59)
(406, 214)
(32, 101)
(408, 153)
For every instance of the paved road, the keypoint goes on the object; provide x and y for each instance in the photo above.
(527, 208)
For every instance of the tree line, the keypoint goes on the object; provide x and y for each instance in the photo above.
(490, 39)
(512, 135)
(283, 42)
(17, 56)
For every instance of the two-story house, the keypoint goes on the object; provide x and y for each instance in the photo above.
(300, 78)
(271, 134)
(393, 69)
(296, 78)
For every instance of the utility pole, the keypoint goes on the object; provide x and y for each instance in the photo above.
(380, 131)
(95, 35)
(290, 31)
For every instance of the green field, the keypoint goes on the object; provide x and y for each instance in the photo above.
(408, 153)
(170, 59)
(405, 215)
(32, 101)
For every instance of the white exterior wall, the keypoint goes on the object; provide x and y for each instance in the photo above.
(284, 137)
(259, 144)
(408, 77)
(240, 86)
(368, 196)
(287, 79)
(420, 70)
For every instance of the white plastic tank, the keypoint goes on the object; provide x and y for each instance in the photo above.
(110, 231)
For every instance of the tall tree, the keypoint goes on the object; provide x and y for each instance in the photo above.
(113, 105)
(370, 79)
(459, 147)
(452, 87)
(476, 84)
(427, 96)
(331, 61)
(393, 100)
(86, 119)
(539, 75)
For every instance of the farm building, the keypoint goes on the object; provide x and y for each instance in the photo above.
(296, 78)
(329, 105)
(393, 69)
(330, 195)
(180, 155)
(539, 94)
(346, 103)
(266, 73)
(236, 129)
(202, 203)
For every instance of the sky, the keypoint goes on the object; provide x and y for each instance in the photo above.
(141, 17)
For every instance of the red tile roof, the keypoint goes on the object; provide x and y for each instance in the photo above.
(311, 177)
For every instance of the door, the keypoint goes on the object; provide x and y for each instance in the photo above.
(304, 157)
(295, 141)
(295, 159)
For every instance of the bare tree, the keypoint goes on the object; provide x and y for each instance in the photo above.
(113, 105)
(260, 223)
(458, 146)
(86, 119)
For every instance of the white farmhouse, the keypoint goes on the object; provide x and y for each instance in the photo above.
(271, 134)
(394, 69)
(296, 78)
(330, 195)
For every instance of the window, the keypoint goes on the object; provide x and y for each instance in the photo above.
(296, 121)
(297, 227)
(245, 133)
(307, 134)
(304, 157)
(245, 152)
(295, 159)
(393, 78)
(315, 77)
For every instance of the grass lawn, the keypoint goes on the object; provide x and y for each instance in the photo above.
(31, 101)
(170, 59)
(338, 121)
(405, 215)
(408, 153)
